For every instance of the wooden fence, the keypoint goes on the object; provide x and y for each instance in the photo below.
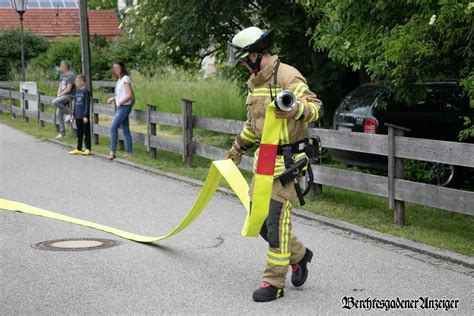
(95, 84)
(394, 146)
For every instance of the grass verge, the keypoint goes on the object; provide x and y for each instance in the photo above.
(438, 228)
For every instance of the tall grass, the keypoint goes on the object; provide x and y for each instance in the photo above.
(213, 96)
(38, 75)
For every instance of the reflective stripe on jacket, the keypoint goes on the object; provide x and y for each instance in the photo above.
(261, 88)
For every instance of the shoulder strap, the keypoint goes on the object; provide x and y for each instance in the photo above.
(275, 81)
(275, 72)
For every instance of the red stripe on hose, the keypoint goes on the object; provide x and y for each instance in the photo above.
(266, 159)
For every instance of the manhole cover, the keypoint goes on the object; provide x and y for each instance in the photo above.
(77, 244)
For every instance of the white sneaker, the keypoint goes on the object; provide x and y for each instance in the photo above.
(67, 118)
(59, 136)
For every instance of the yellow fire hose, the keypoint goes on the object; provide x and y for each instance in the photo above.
(219, 169)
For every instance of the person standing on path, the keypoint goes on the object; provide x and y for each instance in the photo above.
(124, 101)
(82, 100)
(251, 48)
(65, 90)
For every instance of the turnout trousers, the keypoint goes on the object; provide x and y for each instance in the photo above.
(284, 248)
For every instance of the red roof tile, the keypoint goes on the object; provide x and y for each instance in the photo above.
(63, 22)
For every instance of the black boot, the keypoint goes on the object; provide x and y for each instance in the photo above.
(300, 270)
(267, 293)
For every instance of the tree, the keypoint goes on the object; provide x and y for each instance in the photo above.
(403, 41)
(102, 4)
(184, 32)
(10, 50)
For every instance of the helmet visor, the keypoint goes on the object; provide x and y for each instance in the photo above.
(235, 54)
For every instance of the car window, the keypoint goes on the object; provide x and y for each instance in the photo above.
(423, 101)
(381, 101)
(360, 100)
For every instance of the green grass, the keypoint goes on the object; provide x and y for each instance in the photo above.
(214, 97)
(423, 224)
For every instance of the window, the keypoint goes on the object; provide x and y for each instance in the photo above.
(361, 99)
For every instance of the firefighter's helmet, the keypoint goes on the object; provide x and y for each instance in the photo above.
(249, 40)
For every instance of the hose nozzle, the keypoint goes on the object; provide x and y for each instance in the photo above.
(285, 101)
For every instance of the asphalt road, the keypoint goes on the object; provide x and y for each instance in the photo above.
(207, 269)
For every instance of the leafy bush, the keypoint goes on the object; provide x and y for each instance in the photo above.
(138, 55)
(10, 51)
(101, 4)
(101, 58)
(70, 49)
(419, 171)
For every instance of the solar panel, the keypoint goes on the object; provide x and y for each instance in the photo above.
(43, 4)
(70, 4)
(57, 4)
(5, 4)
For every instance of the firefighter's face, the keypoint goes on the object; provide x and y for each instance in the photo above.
(253, 58)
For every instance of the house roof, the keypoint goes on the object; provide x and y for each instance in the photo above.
(60, 23)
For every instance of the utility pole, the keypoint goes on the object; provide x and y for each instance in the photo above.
(85, 49)
(86, 55)
(22, 41)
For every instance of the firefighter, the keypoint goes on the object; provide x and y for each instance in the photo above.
(251, 48)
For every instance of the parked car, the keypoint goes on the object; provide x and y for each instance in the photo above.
(438, 113)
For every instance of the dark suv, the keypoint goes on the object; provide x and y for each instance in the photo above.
(438, 114)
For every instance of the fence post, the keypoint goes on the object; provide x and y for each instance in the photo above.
(151, 131)
(316, 188)
(91, 116)
(23, 105)
(38, 102)
(95, 120)
(70, 105)
(187, 109)
(56, 118)
(12, 103)
(395, 171)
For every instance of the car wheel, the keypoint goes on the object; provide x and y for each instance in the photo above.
(446, 175)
